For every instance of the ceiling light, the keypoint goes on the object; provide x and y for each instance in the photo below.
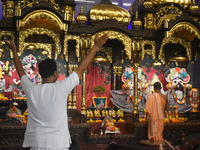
(126, 4)
(114, 3)
(90, 1)
(80, 0)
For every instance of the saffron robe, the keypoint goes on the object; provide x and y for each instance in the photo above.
(155, 107)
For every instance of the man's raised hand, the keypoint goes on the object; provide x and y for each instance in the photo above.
(99, 41)
(11, 45)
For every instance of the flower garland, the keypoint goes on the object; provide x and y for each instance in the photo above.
(194, 104)
(180, 101)
(140, 94)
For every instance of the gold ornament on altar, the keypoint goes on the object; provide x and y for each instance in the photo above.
(183, 3)
(137, 23)
(178, 59)
(156, 63)
(81, 18)
(106, 10)
(100, 58)
(9, 8)
(194, 7)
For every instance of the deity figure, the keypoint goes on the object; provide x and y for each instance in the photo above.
(29, 64)
(89, 113)
(123, 98)
(2, 80)
(14, 112)
(3, 69)
(109, 124)
(97, 113)
(111, 113)
(178, 89)
(120, 113)
(104, 113)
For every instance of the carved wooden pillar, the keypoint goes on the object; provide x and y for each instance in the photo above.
(115, 77)
(70, 95)
(136, 56)
(135, 103)
(83, 100)
(74, 93)
(119, 73)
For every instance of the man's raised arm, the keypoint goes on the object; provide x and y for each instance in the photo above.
(17, 61)
(98, 42)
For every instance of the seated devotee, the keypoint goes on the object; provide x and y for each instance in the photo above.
(155, 106)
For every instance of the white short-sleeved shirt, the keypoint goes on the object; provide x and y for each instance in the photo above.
(47, 124)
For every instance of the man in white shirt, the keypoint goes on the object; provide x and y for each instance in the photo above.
(47, 126)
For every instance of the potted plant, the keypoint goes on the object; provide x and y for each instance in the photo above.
(99, 90)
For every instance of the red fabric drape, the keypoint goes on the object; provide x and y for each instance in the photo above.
(93, 79)
(9, 79)
(160, 76)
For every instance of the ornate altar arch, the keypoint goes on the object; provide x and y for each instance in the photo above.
(163, 35)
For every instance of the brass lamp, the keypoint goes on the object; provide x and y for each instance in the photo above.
(100, 58)
(156, 63)
(178, 59)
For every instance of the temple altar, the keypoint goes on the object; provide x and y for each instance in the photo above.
(152, 41)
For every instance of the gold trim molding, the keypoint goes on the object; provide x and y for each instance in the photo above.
(108, 51)
(161, 14)
(40, 31)
(117, 35)
(46, 47)
(186, 26)
(75, 38)
(6, 33)
(42, 14)
(174, 40)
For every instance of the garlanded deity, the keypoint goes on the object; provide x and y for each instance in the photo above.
(124, 98)
(178, 89)
(97, 113)
(14, 112)
(104, 113)
(89, 113)
(111, 113)
(29, 64)
(3, 70)
(2, 80)
(120, 113)
(30, 67)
